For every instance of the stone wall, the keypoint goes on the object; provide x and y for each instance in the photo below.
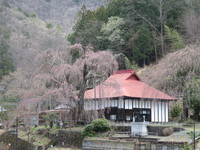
(106, 144)
(158, 130)
(67, 138)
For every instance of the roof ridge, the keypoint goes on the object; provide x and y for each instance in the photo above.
(124, 71)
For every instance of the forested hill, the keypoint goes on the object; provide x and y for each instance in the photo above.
(143, 30)
(133, 32)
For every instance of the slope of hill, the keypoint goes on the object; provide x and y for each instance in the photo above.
(28, 36)
(61, 12)
(176, 72)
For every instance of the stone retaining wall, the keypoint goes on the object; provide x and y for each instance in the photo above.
(107, 145)
(92, 144)
(67, 138)
(158, 130)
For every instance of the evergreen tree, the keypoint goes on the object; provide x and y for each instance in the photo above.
(143, 50)
(176, 41)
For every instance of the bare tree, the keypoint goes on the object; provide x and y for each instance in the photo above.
(191, 22)
(58, 79)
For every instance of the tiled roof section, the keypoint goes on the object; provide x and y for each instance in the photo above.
(125, 83)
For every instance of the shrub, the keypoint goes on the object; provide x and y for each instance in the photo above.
(186, 147)
(34, 15)
(168, 131)
(176, 111)
(88, 131)
(101, 125)
(98, 125)
(49, 25)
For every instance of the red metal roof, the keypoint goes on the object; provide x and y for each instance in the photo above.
(125, 83)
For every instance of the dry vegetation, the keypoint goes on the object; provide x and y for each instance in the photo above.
(175, 71)
(61, 12)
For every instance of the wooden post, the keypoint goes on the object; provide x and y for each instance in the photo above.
(16, 134)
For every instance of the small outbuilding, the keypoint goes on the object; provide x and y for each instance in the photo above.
(124, 97)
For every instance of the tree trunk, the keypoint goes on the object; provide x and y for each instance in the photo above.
(161, 27)
(155, 47)
(81, 95)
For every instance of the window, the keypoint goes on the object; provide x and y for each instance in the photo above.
(113, 117)
(128, 118)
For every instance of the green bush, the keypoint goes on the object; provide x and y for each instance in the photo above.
(98, 125)
(49, 25)
(176, 111)
(88, 131)
(101, 125)
(186, 147)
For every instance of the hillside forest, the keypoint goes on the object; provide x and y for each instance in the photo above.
(51, 52)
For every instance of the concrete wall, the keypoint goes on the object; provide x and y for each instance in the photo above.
(107, 145)
(91, 144)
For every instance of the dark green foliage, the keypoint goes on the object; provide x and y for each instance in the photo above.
(97, 126)
(101, 125)
(88, 28)
(4, 115)
(193, 97)
(34, 15)
(49, 25)
(88, 131)
(143, 49)
(75, 55)
(114, 8)
(175, 111)
(186, 147)
(24, 12)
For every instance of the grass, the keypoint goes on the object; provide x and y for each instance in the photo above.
(34, 138)
(42, 139)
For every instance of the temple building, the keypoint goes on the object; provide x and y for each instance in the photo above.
(124, 97)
